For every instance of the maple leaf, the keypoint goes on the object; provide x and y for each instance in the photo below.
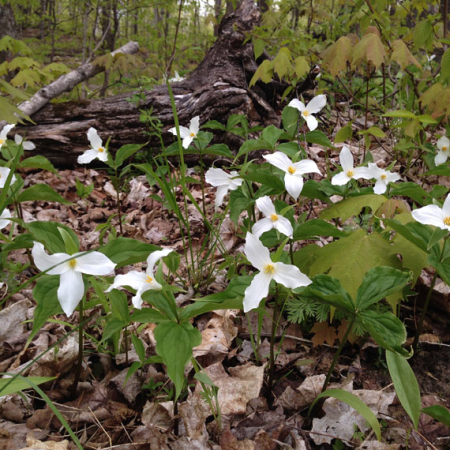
(369, 49)
(323, 333)
(336, 56)
(402, 55)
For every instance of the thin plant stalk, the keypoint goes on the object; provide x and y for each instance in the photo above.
(273, 334)
(119, 205)
(80, 348)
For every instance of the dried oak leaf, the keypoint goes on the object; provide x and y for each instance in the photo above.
(323, 333)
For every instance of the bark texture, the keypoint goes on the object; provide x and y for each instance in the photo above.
(217, 88)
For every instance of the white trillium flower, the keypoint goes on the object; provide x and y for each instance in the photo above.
(4, 173)
(285, 274)
(97, 150)
(271, 220)
(141, 281)
(293, 180)
(434, 215)
(4, 218)
(443, 144)
(313, 107)
(27, 145)
(188, 134)
(71, 268)
(4, 132)
(383, 178)
(224, 182)
(348, 171)
(176, 78)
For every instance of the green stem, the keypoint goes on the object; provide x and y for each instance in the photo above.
(80, 349)
(336, 356)
(272, 345)
(119, 206)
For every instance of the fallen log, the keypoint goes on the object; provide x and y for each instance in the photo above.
(217, 88)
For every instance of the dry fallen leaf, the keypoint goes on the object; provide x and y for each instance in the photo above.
(323, 333)
(11, 319)
(34, 444)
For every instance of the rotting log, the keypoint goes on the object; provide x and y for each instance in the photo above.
(217, 88)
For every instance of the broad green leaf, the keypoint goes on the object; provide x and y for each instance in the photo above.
(264, 71)
(411, 190)
(271, 134)
(139, 347)
(377, 132)
(423, 34)
(414, 232)
(318, 137)
(125, 152)
(402, 55)
(426, 119)
(258, 47)
(9, 112)
(238, 203)
(436, 236)
(12, 91)
(337, 56)
(442, 170)
(147, 315)
(369, 49)
(316, 227)
(20, 241)
(301, 66)
(379, 283)
(330, 291)
(174, 343)
(439, 413)
(305, 257)
(252, 145)
(8, 387)
(358, 405)
(290, 120)
(45, 295)
(445, 64)
(352, 206)
(405, 384)
(48, 233)
(214, 125)
(442, 267)
(69, 242)
(113, 325)
(165, 305)
(313, 189)
(387, 330)
(344, 134)
(125, 251)
(400, 113)
(119, 305)
(37, 162)
(282, 62)
(266, 178)
(288, 148)
(41, 192)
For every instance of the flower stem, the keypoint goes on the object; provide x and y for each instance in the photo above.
(119, 205)
(275, 321)
(80, 349)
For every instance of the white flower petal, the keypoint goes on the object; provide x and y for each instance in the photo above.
(102, 156)
(28, 145)
(380, 187)
(4, 173)
(446, 207)
(258, 289)
(44, 261)
(256, 253)
(279, 160)
(88, 156)
(154, 257)
(440, 157)
(70, 291)
(94, 138)
(94, 263)
(283, 226)
(18, 139)
(134, 279)
(194, 125)
(362, 172)
(290, 276)
(316, 104)
(187, 141)
(293, 184)
(346, 159)
(430, 215)
(375, 171)
(443, 142)
(217, 177)
(340, 179)
(6, 129)
(220, 195)
(392, 177)
(295, 103)
(306, 166)
(266, 206)
(311, 122)
(4, 218)
(262, 226)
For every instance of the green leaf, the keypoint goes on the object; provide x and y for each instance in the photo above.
(400, 113)
(214, 125)
(319, 138)
(69, 243)
(48, 233)
(41, 192)
(125, 251)
(337, 56)
(378, 283)
(282, 62)
(353, 401)
(238, 203)
(316, 227)
(386, 329)
(266, 178)
(301, 66)
(439, 413)
(252, 145)
(139, 347)
(423, 34)
(369, 49)
(258, 47)
(264, 71)
(445, 64)
(125, 152)
(330, 291)
(414, 232)
(290, 120)
(442, 267)
(436, 236)
(112, 326)
(352, 206)
(405, 384)
(402, 55)
(314, 189)
(147, 315)
(37, 162)
(45, 295)
(174, 343)
(8, 387)
(344, 134)
(119, 305)
(377, 132)
(426, 119)
(271, 134)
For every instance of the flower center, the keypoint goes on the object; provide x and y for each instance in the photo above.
(447, 221)
(101, 149)
(270, 268)
(350, 173)
(305, 113)
(149, 279)
(1, 141)
(274, 217)
(192, 134)
(73, 263)
(444, 149)
(383, 177)
(291, 170)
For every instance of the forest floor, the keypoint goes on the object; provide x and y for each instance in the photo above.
(110, 414)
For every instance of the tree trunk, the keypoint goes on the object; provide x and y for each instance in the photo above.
(217, 88)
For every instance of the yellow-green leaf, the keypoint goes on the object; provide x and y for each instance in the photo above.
(264, 71)
(282, 62)
(301, 66)
(336, 57)
(402, 55)
(369, 49)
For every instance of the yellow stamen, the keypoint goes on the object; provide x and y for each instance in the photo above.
(101, 149)
(192, 134)
(149, 279)
(1, 141)
(383, 177)
(291, 170)
(350, 173)
(447, 221)
(274, 217)
(305, 113)
(72, 263)
(444, 149)
(269, 268)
